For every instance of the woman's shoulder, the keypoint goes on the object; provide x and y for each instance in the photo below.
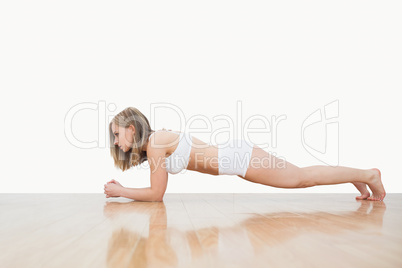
(163, 139)
(162, 134)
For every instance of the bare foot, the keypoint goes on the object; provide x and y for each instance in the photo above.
(376, 186)
(362, 187)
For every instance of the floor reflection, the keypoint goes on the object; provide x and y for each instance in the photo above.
(170, 245)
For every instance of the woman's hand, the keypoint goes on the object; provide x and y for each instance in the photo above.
(116, 182)
(113, 189)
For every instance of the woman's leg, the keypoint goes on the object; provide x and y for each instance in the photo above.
(264, 168)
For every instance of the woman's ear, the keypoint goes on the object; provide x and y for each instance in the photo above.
(131, 128)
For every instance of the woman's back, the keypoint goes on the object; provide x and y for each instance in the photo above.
(203, 157)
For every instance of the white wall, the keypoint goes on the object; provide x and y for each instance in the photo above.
(205, 58)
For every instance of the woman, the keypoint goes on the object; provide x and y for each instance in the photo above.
(171, 152)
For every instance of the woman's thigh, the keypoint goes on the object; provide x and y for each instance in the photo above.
(267, 169)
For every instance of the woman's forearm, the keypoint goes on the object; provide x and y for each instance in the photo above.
(140, 194)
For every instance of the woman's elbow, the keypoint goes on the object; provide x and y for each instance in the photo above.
(159, 197)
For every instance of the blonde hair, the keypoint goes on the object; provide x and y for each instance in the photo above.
(134, 156)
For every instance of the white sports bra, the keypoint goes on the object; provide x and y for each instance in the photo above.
(179, 159)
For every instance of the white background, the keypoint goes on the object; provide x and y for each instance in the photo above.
(203, 57)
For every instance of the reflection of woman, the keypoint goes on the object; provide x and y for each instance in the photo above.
(260, 239)
(171, 152)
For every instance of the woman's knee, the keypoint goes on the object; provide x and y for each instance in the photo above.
(305, 178)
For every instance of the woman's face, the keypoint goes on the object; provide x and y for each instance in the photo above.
(123, 137)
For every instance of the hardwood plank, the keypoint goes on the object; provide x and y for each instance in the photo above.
(200, 230)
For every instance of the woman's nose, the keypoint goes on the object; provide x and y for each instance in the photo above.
(115, 142)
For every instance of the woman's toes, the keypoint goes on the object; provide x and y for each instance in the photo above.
(364, 193)
(374, 198)
(362, 197)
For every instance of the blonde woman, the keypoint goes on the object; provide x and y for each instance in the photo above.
(132, 141)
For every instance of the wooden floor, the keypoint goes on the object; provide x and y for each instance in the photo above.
(200, 230)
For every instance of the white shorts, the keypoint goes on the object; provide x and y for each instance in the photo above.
(234, 157)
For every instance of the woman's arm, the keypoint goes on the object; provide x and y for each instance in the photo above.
(154, 193)
(159, 177)
(115, 189)
(141, 194)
